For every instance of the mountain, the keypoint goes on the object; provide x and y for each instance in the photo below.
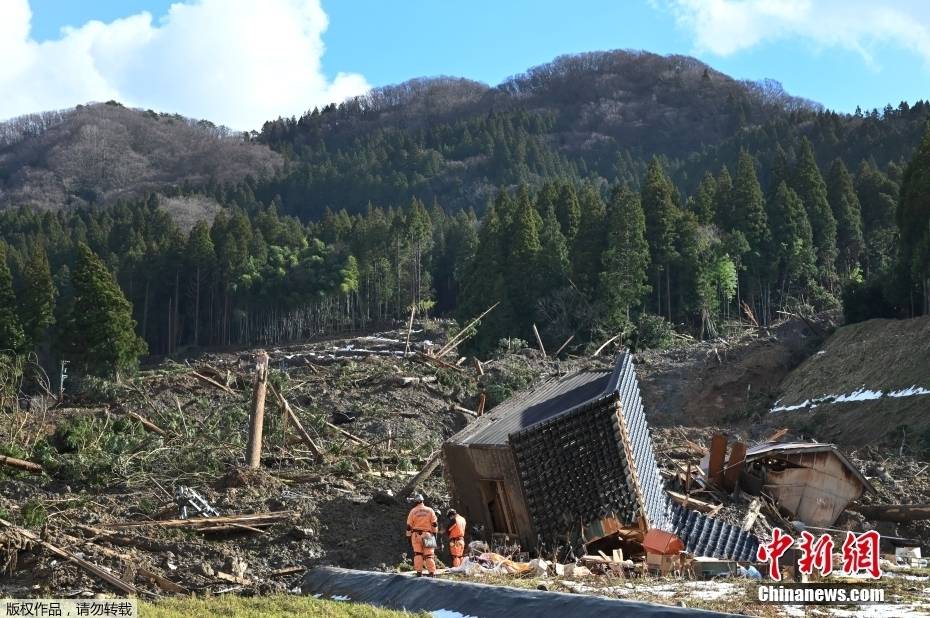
(96, 154)
(596, 116)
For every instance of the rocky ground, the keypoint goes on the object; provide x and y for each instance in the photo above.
(377, 416)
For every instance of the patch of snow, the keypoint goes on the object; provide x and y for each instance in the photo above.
(804, 404)
(339, 597)
(910, 392)
(821, 352)
(448, 613)
(860, 394)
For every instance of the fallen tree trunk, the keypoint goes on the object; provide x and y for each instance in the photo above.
(292, 418)
(20, 464)
(431, 464)
(212, 523)
(895, 512)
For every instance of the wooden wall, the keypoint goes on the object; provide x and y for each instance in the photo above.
(466, 466)
(817, 491)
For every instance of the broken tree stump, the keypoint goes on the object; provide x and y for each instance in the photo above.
(253, 455)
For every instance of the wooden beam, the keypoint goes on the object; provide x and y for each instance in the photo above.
(734, 466)
(539, 342)
(253, 453)
(21, 464)
(563, 346)
(894, 512)
(413, 310)
(692, 503)
(718, 453)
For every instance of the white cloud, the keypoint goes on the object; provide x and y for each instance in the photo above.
(235, 62)
(724, 27)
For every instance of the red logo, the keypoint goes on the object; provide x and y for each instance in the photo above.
(860, 553)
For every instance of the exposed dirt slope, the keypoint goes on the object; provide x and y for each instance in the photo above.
(869, 383)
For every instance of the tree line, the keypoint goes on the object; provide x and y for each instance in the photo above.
(576, 258)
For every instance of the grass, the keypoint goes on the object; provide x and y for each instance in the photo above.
(229, 606)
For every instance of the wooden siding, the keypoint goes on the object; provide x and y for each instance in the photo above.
(817, 491)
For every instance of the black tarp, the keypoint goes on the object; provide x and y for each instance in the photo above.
(404, 592)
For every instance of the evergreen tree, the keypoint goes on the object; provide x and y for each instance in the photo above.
(810, 187)
(12, 339)
(200, 257)
(553, 254)
(914, 227)
(568, 211)
(100, 333)
(793, 251)
(748, 214)
(660, 211)
(846, 210)
(878, 197)
(623, 280)
(703, 201)
(523, 279)
(590, 241)
(37, 299)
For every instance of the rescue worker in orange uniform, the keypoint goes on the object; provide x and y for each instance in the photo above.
(422, 528)
(456, 533)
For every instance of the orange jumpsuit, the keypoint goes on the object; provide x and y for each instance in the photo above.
(456, 532)
(421, 521)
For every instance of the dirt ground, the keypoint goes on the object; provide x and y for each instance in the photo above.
(102, 467)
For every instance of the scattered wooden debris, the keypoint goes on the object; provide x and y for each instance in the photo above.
(539, 342)
(412, 380)
(457, 408)
(93, 569)
(563, 346)
(149, 425)
(605, 344)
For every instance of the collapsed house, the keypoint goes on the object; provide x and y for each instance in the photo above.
(574, 459)
(812, 482)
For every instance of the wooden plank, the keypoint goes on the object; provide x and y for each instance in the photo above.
(233, 579)
(718, 452)
(692, 503)
(413, 310)
(734, 466)
(287, 571)
(149, 425)
(563, 346)
(605, 344)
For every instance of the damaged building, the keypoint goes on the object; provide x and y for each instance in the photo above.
(573, 459)
(811, 481)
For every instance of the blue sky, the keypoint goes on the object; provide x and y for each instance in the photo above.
(840, 53)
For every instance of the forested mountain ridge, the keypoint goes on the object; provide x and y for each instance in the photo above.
(96, 154)
(598, 116)
(606, 194)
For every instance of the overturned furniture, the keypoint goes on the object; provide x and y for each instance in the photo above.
(811, 481)
(574, 459)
